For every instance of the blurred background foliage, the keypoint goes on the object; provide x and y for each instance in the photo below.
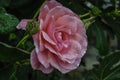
(102, 22)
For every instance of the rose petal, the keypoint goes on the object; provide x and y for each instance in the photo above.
(22, 24)
(34, 60)
(37, 65)
(59, 11)
(82, 39)
(46, 7)
(72, 51)
(56, 12)
(38, 42)
(63, 29)
(47, 38)
(46, 70)
(70, 66)
(52, 3)
(69, 22)
(81, 29)
(50, 28)
(43, 58)
(63, 66)
(50, 48)
(55, 63)
(43, 12)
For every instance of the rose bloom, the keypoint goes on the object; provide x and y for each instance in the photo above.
(60, 41)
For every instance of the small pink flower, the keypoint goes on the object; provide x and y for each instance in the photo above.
(60, 41)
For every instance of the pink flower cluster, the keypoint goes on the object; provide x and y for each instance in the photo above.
(60, 41)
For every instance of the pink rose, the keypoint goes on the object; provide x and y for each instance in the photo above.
(60, 41)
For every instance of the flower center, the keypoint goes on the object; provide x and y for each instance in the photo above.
(62, 40)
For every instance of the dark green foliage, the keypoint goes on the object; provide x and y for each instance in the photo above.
(12, 54)
(108, 68)
(8, 22)
(5, 71)
(97, 37)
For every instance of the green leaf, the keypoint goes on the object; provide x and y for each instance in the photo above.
(8, 22)
(101, 42)
(96, 37)
(12, 54)
(108, 67)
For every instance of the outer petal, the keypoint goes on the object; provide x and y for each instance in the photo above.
(34, 60)
(47, 6)
(52, 3)
(55, 63)
(46, 70)
(37, 65)
(43, 58)
(60, 11)
(63, 66)
(38, 42)
(56, 12)
(22, 24)
(82, 39)
(70, 66)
